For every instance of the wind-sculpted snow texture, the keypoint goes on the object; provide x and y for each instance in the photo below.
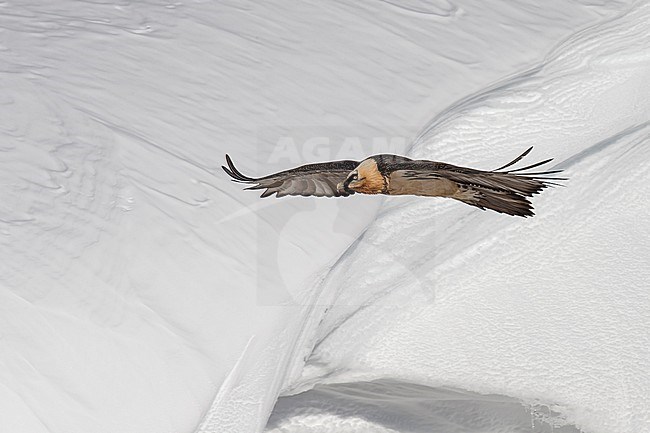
(142, 292)
(554, 310)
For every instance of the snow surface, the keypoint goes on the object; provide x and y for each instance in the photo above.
(143, 292)
(552, 309)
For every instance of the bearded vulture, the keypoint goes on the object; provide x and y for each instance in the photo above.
(502, 190)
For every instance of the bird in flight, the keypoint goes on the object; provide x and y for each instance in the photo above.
(505, 190)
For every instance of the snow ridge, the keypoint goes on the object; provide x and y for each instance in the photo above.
(495, 305)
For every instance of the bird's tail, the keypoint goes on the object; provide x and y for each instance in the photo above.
(507, 191)
(502, 201)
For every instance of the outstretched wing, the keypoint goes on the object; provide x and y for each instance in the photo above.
(318, 180)
(501, 190)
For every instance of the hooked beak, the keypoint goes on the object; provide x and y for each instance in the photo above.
(344, 187)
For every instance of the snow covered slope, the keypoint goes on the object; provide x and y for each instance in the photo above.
(141, 291)
(554, 309)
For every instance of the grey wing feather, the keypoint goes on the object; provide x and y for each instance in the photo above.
(310, 188)
(318, 179)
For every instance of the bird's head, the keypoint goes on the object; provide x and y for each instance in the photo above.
(365, 178)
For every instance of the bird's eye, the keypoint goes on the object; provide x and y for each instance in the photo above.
(355, 176)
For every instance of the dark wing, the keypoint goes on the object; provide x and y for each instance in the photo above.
(318, 180)
(501, 190)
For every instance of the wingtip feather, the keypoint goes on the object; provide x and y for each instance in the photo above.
(234, 173)
(516, 160)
